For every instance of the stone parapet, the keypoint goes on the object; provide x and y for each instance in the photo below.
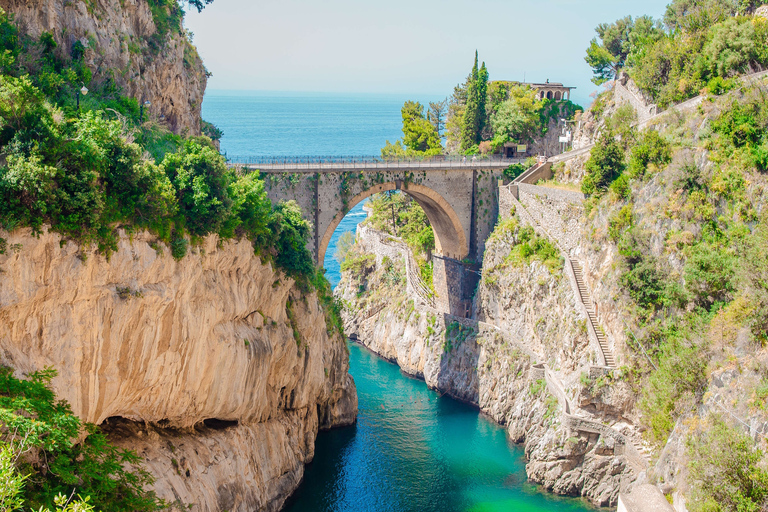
(557, 210)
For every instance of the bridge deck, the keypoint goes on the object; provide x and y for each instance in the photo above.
(379, 165)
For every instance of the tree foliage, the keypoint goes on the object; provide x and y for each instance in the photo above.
(726, 470)
(606, 163)
(420, 136)
(674, 58)
(474, 112)
(55, 453)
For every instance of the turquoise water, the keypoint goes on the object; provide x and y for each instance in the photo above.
(411, 450)
(414, 451)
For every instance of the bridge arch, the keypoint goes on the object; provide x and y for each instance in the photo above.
(450, 239)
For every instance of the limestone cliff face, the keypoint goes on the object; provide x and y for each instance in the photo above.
(527, 316)
(194, 362)
(117, 36)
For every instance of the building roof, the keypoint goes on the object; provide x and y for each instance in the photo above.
(555, 85)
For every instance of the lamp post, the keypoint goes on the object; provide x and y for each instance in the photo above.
(147, 103)
(83, 90)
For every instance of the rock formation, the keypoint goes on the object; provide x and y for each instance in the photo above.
(528, 316)
(193, 363)
(123, 46)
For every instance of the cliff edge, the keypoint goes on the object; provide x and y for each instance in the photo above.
(214, 368)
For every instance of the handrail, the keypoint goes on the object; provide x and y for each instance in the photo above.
(363, 159)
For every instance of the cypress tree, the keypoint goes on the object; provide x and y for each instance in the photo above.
(471, 113)
(482, 95)
(474, 114)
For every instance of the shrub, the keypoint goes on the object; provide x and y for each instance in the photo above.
(674, 388)
(709, 274)
(292, 232)
(199, 175)
(605, 164)
(72, 455)
(726, 471)
(529, 246)
(619, 222)
(651, 148)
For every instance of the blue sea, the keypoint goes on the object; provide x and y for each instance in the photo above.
(308, 124)
(412, 450)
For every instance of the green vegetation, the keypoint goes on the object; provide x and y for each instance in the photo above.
(85, 174)
(691, 230)
(400, 215)
(480, 117)
(474, 110)
(698, 43)
(606, 163)
(45, 451)
(528, 246)
(420, 136)
(727, 472)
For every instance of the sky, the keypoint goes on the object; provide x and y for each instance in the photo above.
(404, 47)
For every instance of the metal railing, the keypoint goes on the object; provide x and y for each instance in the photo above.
(370, 161)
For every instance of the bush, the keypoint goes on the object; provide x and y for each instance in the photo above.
(620, 221)
(32, 419)
(651, 149)
(529, 246)
(201, 179)
(709, 274)
(726, 471)
(292, 232)
(605, 164)
(675, 387)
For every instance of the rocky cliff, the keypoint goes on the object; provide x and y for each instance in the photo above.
(125, 47)
(528, 315)
(194, 363)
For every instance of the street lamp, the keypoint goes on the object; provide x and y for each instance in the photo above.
(141, 110)
(84, 91)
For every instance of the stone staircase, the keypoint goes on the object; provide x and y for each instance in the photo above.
(610, 360)
(640, 449)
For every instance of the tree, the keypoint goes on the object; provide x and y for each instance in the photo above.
(199, 4)
(436, 115)
(516, 119)
(482, 96)
(731, 47)
(608, 53)
(418, 133)
(343, 246)
(605, 164)
(474, 113)
(696, 15)
(454, 125)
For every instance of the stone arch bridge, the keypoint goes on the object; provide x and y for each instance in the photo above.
(459, 196)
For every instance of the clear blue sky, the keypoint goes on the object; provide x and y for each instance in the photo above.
(419, 47)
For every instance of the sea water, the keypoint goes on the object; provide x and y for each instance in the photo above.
(412, 450)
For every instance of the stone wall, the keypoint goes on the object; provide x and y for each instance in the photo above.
(558, 211)
(626, 92)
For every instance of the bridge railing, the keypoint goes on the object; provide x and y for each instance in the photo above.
(309, 160)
